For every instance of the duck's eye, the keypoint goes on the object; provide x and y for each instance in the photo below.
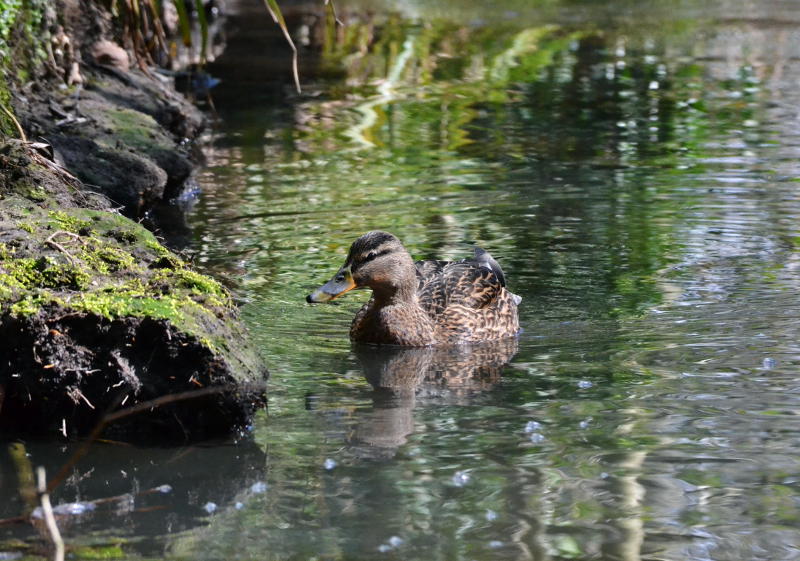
(373, 255)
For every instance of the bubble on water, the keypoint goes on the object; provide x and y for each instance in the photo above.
(329, 464)
(490, 515)
(392, 543)
(210, 507)
(585, 423)
(585, 384)
(495, 544)
(74, 508)
(461, 478)
(769, 362)
(164, 488)
(396, 541)
(258, 487)
(537, 438)
(533, 426)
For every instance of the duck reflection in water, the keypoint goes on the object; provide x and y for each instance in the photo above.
(407, 377)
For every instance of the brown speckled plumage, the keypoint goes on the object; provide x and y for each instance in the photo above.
(425, 303)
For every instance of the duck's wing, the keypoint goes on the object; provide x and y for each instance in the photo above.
(473, 283)
(431, 286)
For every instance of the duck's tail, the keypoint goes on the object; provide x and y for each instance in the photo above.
(484, 259)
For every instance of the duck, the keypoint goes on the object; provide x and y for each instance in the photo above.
(422, 303)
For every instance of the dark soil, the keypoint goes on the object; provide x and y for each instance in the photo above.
(65, 370)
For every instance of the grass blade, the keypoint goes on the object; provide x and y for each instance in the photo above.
(277, 15)
(183, 22)
(332, 12)
(201, 17)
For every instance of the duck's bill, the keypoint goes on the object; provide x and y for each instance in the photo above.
(342, 282)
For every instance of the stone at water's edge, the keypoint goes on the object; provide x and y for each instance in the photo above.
(96, 315)
(122, 134)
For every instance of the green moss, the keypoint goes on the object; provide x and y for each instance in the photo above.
(9, 9)
(98, 552)
(28, 306)
(134, 129)
(69, 222)
(21, 34)
(27, 274)
(19, 274)
(6, 252)
(21, 50)
(120, 304)
(199, 284)
(58, 275)
(104, 264)
(159, 249)
(105, 258)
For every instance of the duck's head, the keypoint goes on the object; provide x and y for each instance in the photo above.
(376, 260)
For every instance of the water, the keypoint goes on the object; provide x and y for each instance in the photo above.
(639, 185)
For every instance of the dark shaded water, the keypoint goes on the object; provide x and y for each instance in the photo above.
(635, 172)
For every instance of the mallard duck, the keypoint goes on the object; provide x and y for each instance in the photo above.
(425, 303)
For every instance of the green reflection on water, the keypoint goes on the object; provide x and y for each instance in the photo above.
(629, 190)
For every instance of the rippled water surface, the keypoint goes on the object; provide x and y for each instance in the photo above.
(636, 174)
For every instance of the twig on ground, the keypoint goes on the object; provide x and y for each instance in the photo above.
(54, 244)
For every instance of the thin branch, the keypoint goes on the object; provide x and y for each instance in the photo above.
(49, 519)
(71, 235)
(26, 518)
(11, 116)
(122, 413)
(52, 243)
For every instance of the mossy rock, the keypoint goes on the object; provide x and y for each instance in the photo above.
(96, 313)
(126, 134)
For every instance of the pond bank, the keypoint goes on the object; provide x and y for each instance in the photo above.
(95, 313)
